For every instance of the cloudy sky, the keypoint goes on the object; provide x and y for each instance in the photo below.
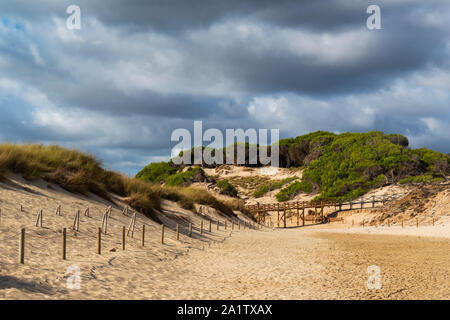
(138, 70)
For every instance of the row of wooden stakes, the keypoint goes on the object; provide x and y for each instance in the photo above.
(123, 242)
(388, 223)
(76, 220)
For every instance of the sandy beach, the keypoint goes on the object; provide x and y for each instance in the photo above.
(322, 261)
(280, 264)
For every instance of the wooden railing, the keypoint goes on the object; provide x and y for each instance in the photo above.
(260, 210)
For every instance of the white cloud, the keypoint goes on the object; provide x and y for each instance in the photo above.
(36, 56)
(409, 100)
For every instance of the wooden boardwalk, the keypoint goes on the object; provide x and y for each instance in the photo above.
(260, 211)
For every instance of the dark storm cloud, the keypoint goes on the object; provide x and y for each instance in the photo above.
(402, 46)
(139, 69)
(177, 16)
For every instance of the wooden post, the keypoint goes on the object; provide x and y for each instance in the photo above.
(123, 238)
(201, 227)
(284, 215)
(143, 235)
(298, 214)
(239, 225)
(351, 205)
(315, 211)
(99, 240)
(190, 229)
(86, 213)
(39, 218)
(22, 246)
(225, 225)
(0, 216)
(373, 201)
(362, 202)
(303, 213)
(278, 215)
(402, 224)
(178, 231)
(76, 221)
(162, 234)
(218, 225)
(417, 222)
(131, 225)
(258, 212)
(322, 205)
(58, 210)
(232, 225)
(264, 214)
(105, 227)
(209, 225)
(64, 233)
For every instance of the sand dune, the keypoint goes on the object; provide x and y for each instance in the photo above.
(312, 262)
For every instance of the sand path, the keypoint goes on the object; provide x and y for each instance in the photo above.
(312, 262)
(303, 263)
(308, 264)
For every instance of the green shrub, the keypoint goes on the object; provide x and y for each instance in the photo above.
(157, 172)
(192, 174)
(263, 189)
(425, 178)
(227, 188)
(350, 164)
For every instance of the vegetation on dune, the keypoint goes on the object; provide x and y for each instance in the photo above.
(186, 177)
(424, 178)
(82, 173)
(345, 166)
(157, 172)
(187, 197)
(229, 154)
(227, 188)
(314, 138)
(290, 191)
(73, 170)
(249, 182)
(272, 185)
(171, 175)
(351, 164)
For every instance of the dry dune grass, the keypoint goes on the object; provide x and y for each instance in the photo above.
(82, 173)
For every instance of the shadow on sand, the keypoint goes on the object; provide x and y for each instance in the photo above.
(8, 282)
